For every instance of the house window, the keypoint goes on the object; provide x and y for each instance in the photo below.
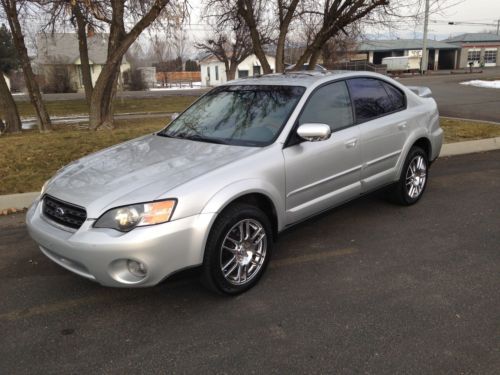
(242, 73)
(256, 70)
(474, 55)
(490, 56)
(216, 72)
(208, 72)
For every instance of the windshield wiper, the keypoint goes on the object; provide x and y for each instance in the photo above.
(193, 137)
(197, 137)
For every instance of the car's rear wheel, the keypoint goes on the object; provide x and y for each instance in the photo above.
(413, 180)
(238, 249)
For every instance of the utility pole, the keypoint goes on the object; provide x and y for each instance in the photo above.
(423, 62)
(498, 27)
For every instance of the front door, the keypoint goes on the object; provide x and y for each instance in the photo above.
(322, 174)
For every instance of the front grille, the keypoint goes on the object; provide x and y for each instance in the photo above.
(63, 213)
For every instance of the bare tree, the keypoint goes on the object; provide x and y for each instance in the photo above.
(230, 42)
(254, 14)
(286, 13)
(11, 9)
(335, 17)
(114, 13)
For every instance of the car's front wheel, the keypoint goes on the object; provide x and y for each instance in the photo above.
(238, 249)
(413, 180)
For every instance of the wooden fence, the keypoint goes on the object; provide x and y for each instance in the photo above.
(172, 79)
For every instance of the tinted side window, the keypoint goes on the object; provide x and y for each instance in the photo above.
(397, 97)
(370, 98)
(329, 105)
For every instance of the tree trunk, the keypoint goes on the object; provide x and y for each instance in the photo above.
(84, 52)
(231, 73)
(101, 103)
(311, 53)
(280, 52)
(285, 21)
(259, 51)
(245, 9)
(12, 122)
(313, 60)
(103, 94)
(10, 7)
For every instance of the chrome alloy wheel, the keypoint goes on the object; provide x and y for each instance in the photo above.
(416, 176)
(243, 251)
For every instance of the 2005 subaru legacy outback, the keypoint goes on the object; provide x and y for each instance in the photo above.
(245, 161)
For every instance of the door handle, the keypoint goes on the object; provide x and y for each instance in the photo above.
(351, 143)
(402, 125)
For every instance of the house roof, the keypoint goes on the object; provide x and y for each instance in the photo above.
(402, 44)
(62, 48)
(474, 37)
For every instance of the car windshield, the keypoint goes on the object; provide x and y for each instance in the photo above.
(237, 115)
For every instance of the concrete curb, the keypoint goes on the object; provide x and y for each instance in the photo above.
(24, 200)
(470, 147)
(471, 120)
(17, 201)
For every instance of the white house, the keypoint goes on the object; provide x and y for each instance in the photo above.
(213, 71)
(59, 56)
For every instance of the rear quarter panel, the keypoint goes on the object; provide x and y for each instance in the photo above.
(423, 122)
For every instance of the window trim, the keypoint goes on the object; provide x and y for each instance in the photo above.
(292, 140)
(293, 131)
(348, 95)
(383, 114)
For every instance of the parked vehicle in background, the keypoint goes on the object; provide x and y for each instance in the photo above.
(402, 63)
(221, 181)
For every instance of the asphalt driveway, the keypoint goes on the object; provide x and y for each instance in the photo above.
(456, 100)
(367, 288)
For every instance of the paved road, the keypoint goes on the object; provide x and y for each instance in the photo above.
(456, 100)
(367, 288)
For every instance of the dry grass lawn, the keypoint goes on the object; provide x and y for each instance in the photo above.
(459, 131)
(171, 103)
(29, 159)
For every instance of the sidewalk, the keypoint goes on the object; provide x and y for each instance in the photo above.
(24, 200)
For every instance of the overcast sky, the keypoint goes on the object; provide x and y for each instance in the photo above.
(475, 11)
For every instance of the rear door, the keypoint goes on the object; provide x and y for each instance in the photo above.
(322, 174)
(380, 113)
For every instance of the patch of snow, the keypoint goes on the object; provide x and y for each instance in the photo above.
(480, 83)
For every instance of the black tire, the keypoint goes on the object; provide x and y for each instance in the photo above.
(213, 276)
(400, 193)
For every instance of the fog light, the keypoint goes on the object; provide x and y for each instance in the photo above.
(137, 269)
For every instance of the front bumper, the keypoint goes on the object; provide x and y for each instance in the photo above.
(102, 254)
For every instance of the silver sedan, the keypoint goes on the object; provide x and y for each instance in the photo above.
(221, 181)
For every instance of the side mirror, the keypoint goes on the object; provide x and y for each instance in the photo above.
(314, 132)
(174, 116)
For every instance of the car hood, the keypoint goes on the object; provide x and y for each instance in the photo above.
(137, 171)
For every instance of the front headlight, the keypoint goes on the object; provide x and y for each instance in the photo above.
(127, 218)
(44, 187)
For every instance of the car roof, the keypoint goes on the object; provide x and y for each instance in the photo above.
(298, 78)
